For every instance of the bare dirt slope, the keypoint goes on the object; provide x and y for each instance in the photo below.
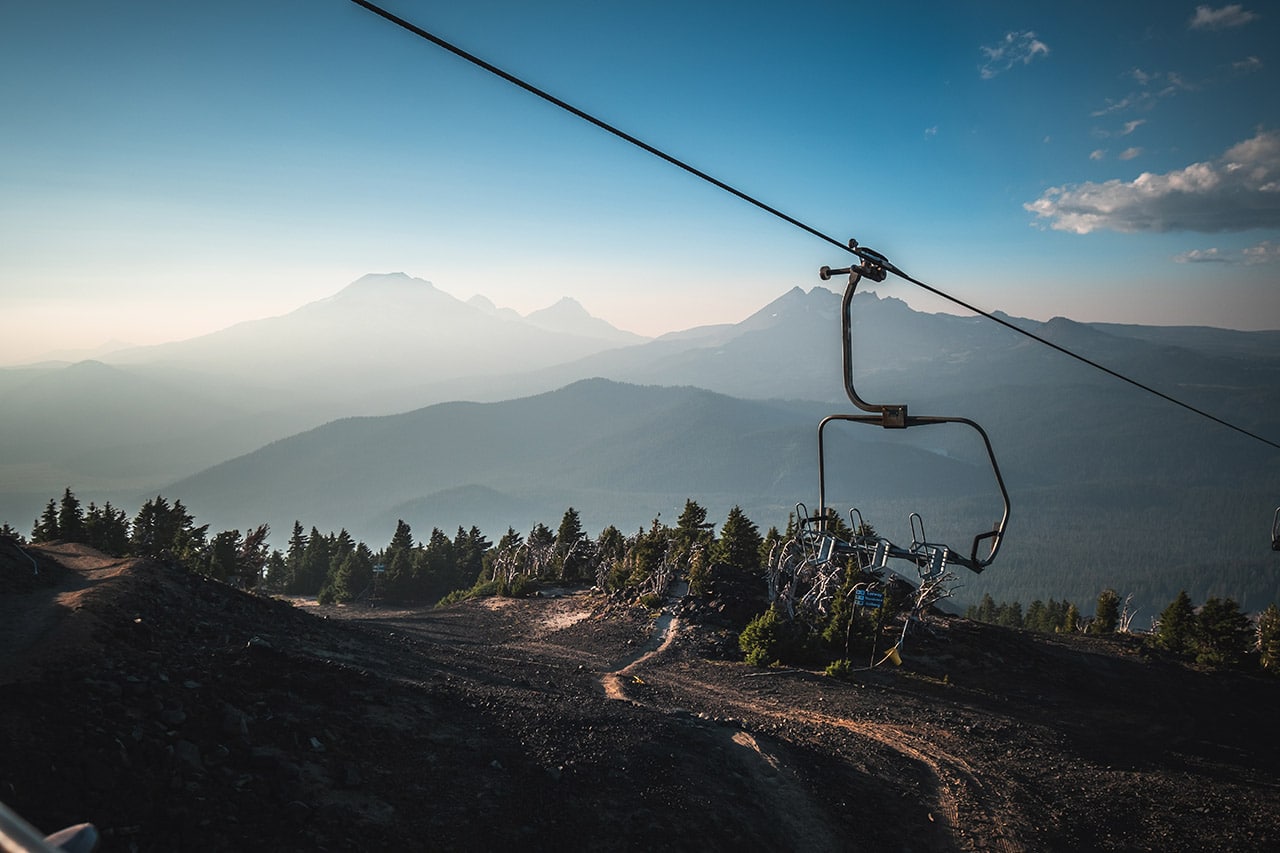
(178, 714)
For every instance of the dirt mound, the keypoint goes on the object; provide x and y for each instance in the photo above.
(179, 714)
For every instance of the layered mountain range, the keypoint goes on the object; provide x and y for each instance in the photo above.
(393, 399)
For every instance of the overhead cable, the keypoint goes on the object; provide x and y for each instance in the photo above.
(863, 253)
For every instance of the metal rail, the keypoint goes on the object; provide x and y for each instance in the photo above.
(896, 416)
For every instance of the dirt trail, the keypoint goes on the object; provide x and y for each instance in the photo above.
(29, 619)
(664, 632)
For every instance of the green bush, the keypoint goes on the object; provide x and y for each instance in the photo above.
(841, 669)
(764, 639)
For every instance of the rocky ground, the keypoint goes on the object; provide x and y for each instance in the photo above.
(176, 713)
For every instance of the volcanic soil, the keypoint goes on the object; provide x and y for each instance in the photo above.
(176, 713)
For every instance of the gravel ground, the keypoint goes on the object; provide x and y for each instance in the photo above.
(176, 713)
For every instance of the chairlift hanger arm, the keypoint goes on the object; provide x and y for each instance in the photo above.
(995, 536)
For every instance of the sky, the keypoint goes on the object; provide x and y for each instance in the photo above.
(169, 169)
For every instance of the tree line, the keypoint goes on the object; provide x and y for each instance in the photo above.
(337, 569)
(1216, 634)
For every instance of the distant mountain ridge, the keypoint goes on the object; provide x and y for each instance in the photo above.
(1081, 450)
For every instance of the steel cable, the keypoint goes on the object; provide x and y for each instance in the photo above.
(680, 164)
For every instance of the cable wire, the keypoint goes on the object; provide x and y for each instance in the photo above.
(680, 164)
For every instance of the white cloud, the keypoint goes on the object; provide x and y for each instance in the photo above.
(931, 131)
(1202, 256)
(1155, 87)
(1248, 65)
(1013, 49)
(1131, 126)
(1266, 252)
(1130, 153)
(1238, 191)
(1231, 15)
(1097, 154)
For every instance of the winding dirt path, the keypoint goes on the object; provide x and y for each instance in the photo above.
(960, 800)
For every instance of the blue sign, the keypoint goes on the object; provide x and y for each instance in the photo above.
(868, 598)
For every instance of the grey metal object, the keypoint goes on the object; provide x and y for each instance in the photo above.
(1275, 531)
(930, 558)
(18, 836)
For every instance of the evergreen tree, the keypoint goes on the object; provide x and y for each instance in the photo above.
(164, 531)
(611, 544)
(351, 577)
(399, 575)
(107, 529)
(70, 518)
(1268, 639)
(1222, 633)
(402, 539)
(740, 543)
(1107, 614)
(45, 528)
(1071, 620)
(771, 539)
(611, 551)
(1175, 630)
(692, 538)
(469, 549)
(277, 572)
(223, 552)
(252, 557)
(314, 567)
(567, 536)
(540, 536)
(1055, 615)
(1035, 618)
(570, 531)
(1009, 614)
(645, 553)
(293, 557)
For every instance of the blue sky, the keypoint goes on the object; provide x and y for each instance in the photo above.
(167, 169)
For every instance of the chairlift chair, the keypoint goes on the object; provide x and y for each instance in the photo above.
(930, 558)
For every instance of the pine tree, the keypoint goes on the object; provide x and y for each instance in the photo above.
(162, 531)
(1222, 633)
(469, 549)
(1070, 620)
(45, 528)
(739, 543)
(70, 518)
(1034, 620)
(540, 536)
(1176, 626)
(1107, 613)
(223, 551)
(691, 540)
(277, 572)
(771, 539)
(314, 566)
(567, 536)
(293, 555)
(402, 539)
(1009, 614)
(252, 558)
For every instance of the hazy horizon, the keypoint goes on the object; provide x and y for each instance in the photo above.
(174, 170)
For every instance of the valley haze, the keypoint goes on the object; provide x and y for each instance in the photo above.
(394, 400)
